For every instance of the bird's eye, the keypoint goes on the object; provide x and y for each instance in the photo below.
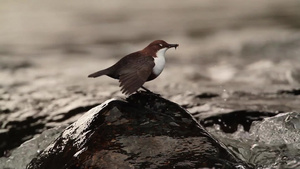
(160, 45)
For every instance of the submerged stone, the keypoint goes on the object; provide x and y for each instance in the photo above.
(145, 131)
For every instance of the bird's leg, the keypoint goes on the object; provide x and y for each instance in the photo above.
(147, 90)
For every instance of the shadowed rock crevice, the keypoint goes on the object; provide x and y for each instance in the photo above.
(229, 122)
(207, 95)
(146, 131)
(295, 92)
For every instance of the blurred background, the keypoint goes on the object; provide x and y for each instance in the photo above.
(47, 49)
(253, 44)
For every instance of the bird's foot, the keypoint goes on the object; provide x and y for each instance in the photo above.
(149, 91)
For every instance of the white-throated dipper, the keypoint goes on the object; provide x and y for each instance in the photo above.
(135, 69)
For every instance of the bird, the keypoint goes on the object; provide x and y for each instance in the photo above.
(134, 69)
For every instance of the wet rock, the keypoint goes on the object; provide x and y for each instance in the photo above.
(146, 131)
(25, 114)
(22, 155)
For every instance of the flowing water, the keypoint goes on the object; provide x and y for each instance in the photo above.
(271, 143)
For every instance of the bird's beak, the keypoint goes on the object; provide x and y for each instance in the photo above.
(173, 46)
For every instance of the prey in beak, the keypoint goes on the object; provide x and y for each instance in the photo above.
(173, 46)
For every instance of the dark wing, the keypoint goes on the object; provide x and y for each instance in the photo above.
(136, 74)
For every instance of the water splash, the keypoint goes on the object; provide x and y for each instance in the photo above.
(271, 143)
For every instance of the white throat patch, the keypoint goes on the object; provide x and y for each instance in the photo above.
(159, 61)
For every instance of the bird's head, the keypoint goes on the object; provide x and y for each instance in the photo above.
(159, 46)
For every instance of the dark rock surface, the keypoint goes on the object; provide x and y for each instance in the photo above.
(147, 131)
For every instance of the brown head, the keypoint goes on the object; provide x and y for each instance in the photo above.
(157, 45)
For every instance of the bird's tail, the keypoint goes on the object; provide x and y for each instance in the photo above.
(99, 73)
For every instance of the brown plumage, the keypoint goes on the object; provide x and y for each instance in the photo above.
(135, 69)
